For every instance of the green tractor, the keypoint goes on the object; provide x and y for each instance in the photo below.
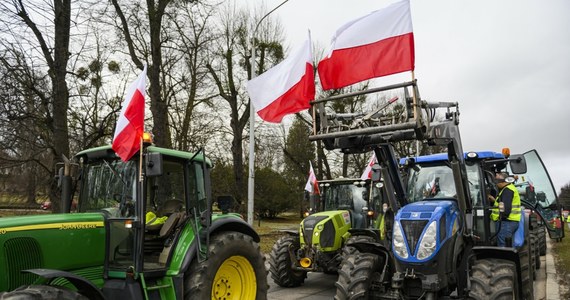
(344, 204)
(144, 229)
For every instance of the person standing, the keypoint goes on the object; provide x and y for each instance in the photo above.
(506, 211)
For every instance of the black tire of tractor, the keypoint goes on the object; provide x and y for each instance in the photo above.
(527, 270)
(42, 292)
(280, 264)
(542, 240)
(533, 251)
(356, 275)
(199, 281)
(493, 279)
(534, 235)
(348, 250)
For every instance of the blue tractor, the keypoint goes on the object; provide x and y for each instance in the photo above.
(442, 240)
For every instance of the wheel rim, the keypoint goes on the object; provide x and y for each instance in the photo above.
(235, 279)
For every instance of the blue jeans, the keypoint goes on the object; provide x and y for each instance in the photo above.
(507, 229)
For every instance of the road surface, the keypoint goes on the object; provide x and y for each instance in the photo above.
(320, 286)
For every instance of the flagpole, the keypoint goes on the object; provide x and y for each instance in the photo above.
(251, 178)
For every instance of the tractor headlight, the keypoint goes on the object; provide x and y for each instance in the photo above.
(398, 242)
(428, 242)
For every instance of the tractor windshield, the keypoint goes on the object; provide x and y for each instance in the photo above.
(426, 182)
(108, 185)
(345, 196)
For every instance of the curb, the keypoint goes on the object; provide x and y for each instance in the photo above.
(552, 287)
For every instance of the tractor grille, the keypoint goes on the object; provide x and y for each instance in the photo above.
(413, 230)
(327, 235)
(21, 254)
(309, 224)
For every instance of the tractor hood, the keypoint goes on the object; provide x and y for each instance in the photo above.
(31, 242)
(414, 221)
(326, 230)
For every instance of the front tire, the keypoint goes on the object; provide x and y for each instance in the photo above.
(42, 292)
(493, 279)
(280, 264)
(235, 269)
(357, 274)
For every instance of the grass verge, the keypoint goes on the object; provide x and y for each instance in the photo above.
(270, 230)
(562, 261)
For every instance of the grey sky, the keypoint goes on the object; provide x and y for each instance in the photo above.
(506, 63)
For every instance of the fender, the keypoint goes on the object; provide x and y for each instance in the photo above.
(219, 225)
(83, 286)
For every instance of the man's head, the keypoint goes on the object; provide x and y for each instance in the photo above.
(502, 179)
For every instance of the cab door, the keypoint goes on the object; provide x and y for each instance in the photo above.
(541, 194)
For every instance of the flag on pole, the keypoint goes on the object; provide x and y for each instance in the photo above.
(312, 185)
(378, 44)
(130, 125)
(286, 88)
(367, 174)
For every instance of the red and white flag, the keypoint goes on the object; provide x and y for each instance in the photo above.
(367, 174)
(286, 88)
(130, 125)
(378, 44)
(312, 185)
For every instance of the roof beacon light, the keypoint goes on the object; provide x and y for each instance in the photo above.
(147, 138)
(506, 152)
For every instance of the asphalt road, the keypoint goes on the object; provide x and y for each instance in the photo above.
(319, 286)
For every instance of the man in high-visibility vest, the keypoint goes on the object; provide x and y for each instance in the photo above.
(506, 211)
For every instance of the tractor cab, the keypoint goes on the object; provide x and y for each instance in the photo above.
(346, 194)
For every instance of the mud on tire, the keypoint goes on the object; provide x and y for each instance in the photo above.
(42, 292)
(235, 269)
(280, 264)
(357, 275)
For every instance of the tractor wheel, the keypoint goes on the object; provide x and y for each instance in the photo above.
(493, 279)
(527, 269)
(357, 275)
(235, 269)
(348, 250)
(542, 240)
(42, 292)
(280, 264)
(533, 250)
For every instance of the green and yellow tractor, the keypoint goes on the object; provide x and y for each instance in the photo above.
(144, 229)
(344, 204)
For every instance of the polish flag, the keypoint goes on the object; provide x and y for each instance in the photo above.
(130, 126)
(367, 174)
(312, 185)
(378, 44)
(286, 88)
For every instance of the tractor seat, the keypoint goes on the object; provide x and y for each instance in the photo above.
(169, 225)
(170, 206)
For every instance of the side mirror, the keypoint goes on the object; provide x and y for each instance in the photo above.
(517, 164)
(153, 166)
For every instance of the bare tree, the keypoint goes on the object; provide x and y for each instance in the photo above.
(138, 50)
(38, 31)
(230, 68)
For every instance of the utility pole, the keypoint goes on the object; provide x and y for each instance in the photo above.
(251, 180)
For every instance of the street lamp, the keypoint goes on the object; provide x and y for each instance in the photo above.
(250, 185)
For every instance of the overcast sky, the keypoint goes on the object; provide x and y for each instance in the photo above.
(506, 62)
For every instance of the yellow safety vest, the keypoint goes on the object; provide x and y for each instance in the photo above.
(515, 214)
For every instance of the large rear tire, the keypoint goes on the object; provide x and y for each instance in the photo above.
(527, 269)
(493, 279)
(542, 240)
(357, 274)
(42, 292)
(280, 264)
(235, 269)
